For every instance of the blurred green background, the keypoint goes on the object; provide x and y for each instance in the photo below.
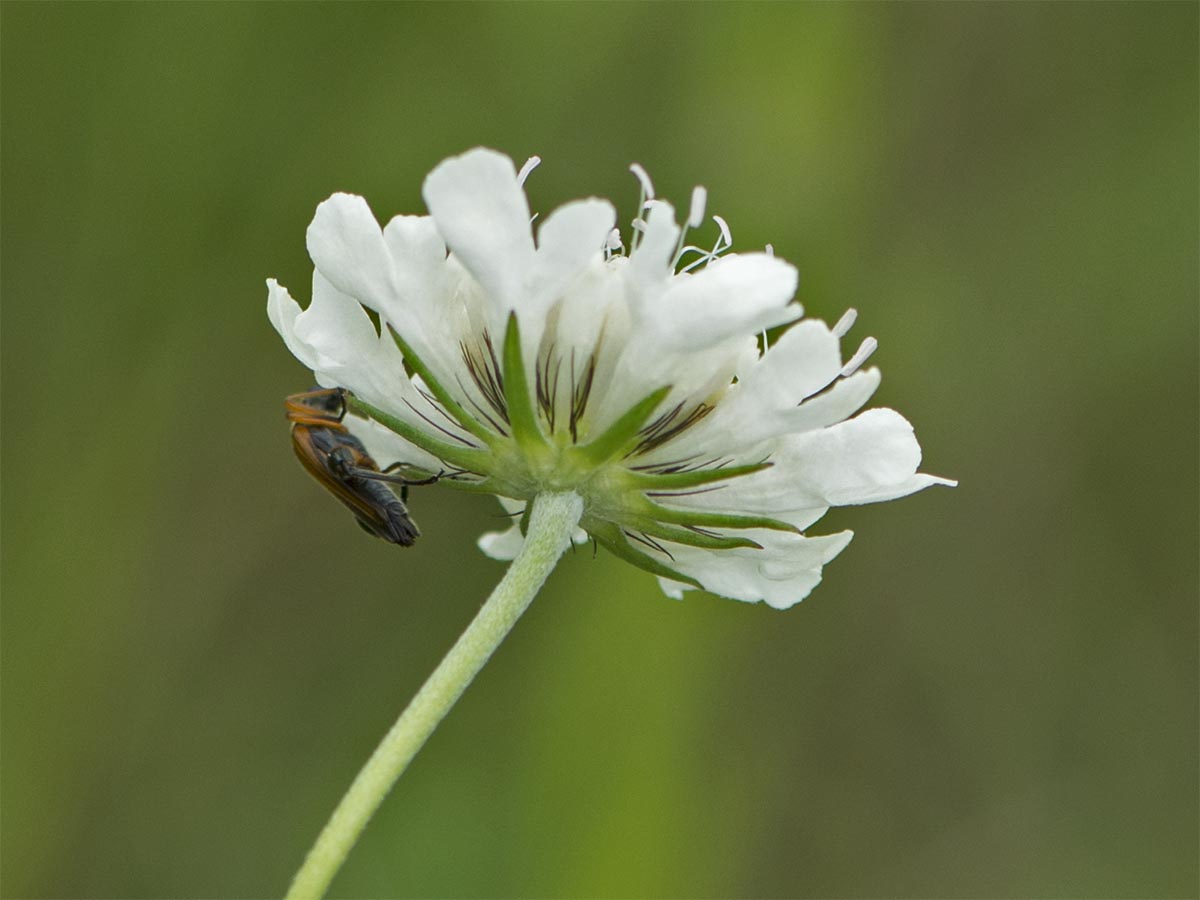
(993, 694)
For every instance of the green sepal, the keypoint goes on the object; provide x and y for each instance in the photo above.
(675, 481)
(713, 519)
(618, 436)
(460, 457)
(690, 537)
(613, 540)
(486, 486)
(522, 417)
(452, 406)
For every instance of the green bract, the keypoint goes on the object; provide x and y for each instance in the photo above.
(532, 457)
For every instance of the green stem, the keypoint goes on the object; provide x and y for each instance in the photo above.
(554, 518)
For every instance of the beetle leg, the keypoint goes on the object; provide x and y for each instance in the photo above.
(386, 475)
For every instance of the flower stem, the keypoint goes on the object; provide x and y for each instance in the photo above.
(553, 520)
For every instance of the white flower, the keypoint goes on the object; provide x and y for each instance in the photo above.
(634, 378)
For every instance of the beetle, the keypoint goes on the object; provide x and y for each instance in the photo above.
(340, 462)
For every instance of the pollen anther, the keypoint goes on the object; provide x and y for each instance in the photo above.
(865, 349)
(845, 323)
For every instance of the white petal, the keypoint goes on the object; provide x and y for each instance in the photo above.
(347, 246)
(910, 485)
(873, 455)
(335, 325)
(642, 366)
(840, 402)
(767, 493)
(428, 315)
(732, 296)
(766, 399)
(868, 459)
(329, 336)
(502, 545)
(337, 340)
(418, 257)
(571, 237)
(651, 261)
(505, 545)
(483, 216)
(570, 243)
(746, 419)
(282, 311)
(673, 589)
(512, 505)
(803, 360)
(782, 574)
(400, 272)
(595, 303)
(348, 350)
(387, 448)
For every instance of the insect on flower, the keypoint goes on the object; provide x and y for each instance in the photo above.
(340, 462)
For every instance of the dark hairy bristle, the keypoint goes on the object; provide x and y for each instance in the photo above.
(669, 426)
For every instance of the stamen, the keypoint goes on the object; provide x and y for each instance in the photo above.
(724, 242)
(696, 212)
(726, 235)
(692, 248)
(707, 256)
(530, 164)
(865, 349)
(647, 187)
(845, 323)
(639, 225)
(646, 193)
(694, 218)
(613, 242)
(769, 249)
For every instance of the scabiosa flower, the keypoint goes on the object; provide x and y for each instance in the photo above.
(629, 368)
(617, 391)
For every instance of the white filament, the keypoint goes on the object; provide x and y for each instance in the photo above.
(647, 186)
(530, 164)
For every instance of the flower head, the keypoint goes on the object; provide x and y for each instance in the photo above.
(625, 367)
